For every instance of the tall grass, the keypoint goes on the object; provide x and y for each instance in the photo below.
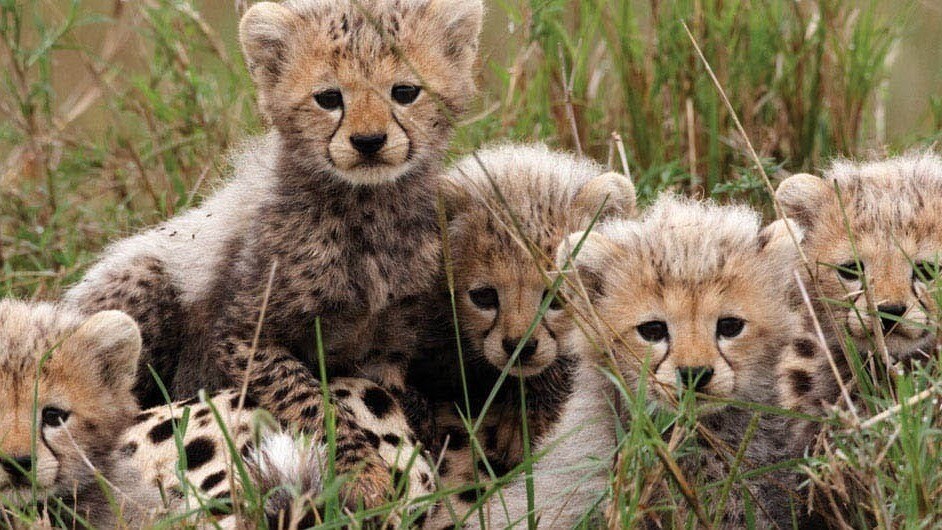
(160, 96)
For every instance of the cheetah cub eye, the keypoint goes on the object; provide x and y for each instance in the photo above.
(405, 94)
(54, 416)
(850, 271)
(729, 327)
(653, 331)
(484, 297)
(926, 271)
(556, 303)
(330, 99)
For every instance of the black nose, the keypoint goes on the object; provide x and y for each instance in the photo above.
(526, 353)
(17, 466)
(368, 144)
(695, 377)
(888, 323)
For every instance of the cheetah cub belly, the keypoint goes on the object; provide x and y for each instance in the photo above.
(166, 460)
(337, 224)
(509, 207)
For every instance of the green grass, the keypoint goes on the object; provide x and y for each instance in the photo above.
(156, 95)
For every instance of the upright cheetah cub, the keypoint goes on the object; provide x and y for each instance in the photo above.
(873, 236)
(335, 210)
(77, 373)
(674, 307)
(510, 206)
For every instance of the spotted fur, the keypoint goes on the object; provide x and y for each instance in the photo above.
(690, 268)
(886, 214)
(82, 370)
(340, 216)
(509, 207)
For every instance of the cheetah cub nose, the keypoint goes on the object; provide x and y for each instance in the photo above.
(526, 353)
(18, 466)
(368, 144)
(695, 377)
(889, 324)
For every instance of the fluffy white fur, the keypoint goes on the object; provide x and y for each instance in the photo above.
(574, 473)
(191, 246)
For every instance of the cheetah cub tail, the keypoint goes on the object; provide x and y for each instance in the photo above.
(289, 468)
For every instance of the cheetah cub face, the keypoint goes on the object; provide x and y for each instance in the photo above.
(363, 89)
(694, 294)
(80, 372)
(874, 224)
(507, 218)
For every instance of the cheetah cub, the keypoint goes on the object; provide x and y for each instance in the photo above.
(509, 208)
(674, 308)
(68, 378)
(332, 217)
(873, 237)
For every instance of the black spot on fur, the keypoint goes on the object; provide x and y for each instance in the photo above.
(371, 437)
(378, 401)
(161, 432)
(341, 393)
(800, 381)
(500, 467)
(212, 480)
(198, 452)
(457, 438)
(129, 449)
(392, 439)
(396, 476)
(805, 348)
(142, 417)
(469, 496)
(248, 403)
(202, 413)
(490, 437)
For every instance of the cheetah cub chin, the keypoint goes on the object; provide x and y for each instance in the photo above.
(694, 297)
(331, 219)
(68, 378)
(873, 226)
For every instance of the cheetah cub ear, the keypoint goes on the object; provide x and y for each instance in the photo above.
(111, 341)
(264, 32)
(608, 195)
(801, 197)
(462, 21)
(780, 240)
(589, 262)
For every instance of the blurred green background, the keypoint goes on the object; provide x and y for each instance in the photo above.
(119, 114)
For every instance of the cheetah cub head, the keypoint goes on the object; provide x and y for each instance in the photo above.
(510, 207)
(692, 295)
(366, 90)
(65, 395)
(877, 226)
